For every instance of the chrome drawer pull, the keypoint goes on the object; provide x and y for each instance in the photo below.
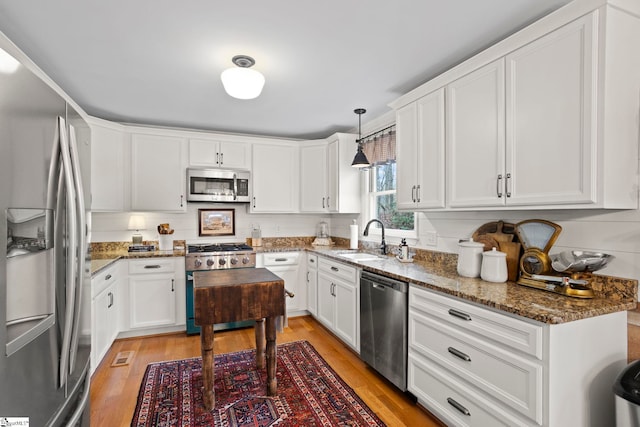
(459, 314)
(458, 406)
(153, 266)
(335, 268)
(280, 260)
(459, 354)
(107, 277)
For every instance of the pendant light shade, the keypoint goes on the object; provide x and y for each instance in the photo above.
(241, 81)
(360, 160)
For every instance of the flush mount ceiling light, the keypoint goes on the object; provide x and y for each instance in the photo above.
(241, 81)
(360, 160)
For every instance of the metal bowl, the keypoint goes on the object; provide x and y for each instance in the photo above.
(579, 261)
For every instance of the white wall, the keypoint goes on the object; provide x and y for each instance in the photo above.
(112, 227)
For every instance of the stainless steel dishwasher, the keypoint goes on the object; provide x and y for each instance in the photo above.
(383, 326)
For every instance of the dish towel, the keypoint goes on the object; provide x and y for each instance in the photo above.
(282, 321)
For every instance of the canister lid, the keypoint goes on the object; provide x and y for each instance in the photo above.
(470, 244)
(494, 253)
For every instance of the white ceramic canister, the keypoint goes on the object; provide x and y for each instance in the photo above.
(494, 266)
(469, 258)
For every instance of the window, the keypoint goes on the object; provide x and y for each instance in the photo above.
(380, 149)
(383, 203)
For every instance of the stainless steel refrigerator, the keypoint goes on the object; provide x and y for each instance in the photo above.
(44, 266)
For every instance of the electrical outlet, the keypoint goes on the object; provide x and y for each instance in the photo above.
(431, 238)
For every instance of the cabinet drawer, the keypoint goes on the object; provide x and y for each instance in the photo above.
(103, 279)
(514, 380)
(282, 258)
(338, 269)
(505, 330)
(454, 402)
(152, 266)
(312, 261)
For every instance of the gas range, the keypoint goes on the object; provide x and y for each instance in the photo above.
(217, 256)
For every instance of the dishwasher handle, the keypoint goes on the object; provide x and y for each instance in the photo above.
(378, 280)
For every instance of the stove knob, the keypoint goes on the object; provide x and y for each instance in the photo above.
(222, 261)
(246, 260)
(209, 262)
(197, 262)
(234, 261)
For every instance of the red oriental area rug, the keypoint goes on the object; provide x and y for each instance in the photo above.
(310, 393)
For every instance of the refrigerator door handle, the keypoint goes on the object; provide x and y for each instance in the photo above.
(82, 404)
(82, 245)
(71, 252)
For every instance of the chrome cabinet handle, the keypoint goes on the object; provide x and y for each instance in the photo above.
(323, 203)
(413, 193)
(335, 269)
(221, 158)
(312, 260)
(459, 354)
(418, 193)
(181, 200)
(307, 277)
(328, 204)
(458, 406)
(280, 259)
(254, 202)
(110, 300)
(508, 185)
(107, 277)
(217, 158)
(173, 282)
(153, 266)
(499, 185)
(459, 314)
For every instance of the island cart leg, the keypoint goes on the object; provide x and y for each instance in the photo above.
(260, 343)
(272, 382)
(208, 373)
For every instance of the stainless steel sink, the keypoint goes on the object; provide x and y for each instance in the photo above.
(362, 256)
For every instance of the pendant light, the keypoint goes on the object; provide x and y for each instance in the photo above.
(360, 160)
(241, 81)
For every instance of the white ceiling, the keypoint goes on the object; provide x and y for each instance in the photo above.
(158, 62)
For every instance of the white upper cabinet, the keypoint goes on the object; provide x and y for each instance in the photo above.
(420, 153)
(475, 138)
(546, 118)
(158, 173)
(551, 87)
(274, 179)
(343, 182)
(313, 177)
(107, 167)
(328, 183)
(219, 154)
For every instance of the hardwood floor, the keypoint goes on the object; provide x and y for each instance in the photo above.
(114, 389)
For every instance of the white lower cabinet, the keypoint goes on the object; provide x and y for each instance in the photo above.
(286, 265)
(474, 366)
(312, 284)
(339, 300)
(156, 290)
(105, 305)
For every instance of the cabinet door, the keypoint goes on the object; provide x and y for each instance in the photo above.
(312, 291)
(406, 154)
(326, 300)
(475, 138)
(291, 283)
(158, 173)
(274, 178)
(235, 155)
(347, 311)
(550, 95)
(430, 155)
(313, 182)
(101, 330)
(204, 153)
(152, 300)
(107, 169)
(332, 168)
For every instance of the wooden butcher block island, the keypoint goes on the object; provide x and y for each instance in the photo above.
(223, 296)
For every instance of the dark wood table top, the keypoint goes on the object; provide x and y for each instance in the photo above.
(233, 277)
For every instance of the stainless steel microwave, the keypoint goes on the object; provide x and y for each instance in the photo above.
(217, 185)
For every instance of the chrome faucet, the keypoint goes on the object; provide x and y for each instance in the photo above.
(383, 245)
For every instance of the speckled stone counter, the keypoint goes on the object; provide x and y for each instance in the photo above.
(437, 271)
(103, 254)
